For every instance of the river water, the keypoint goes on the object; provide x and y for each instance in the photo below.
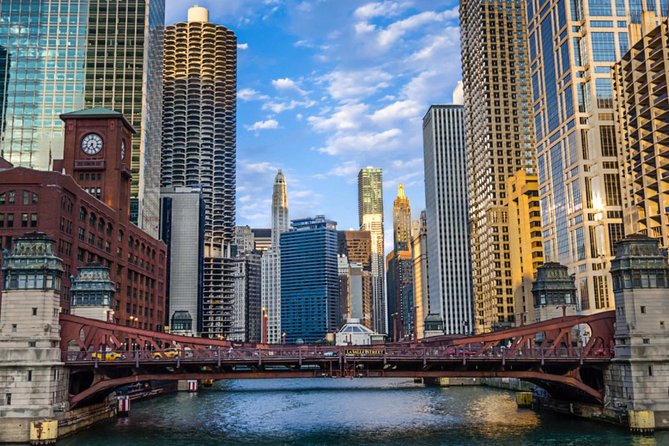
(347, 412)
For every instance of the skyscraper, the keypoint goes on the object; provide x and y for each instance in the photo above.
(448, 243)
(399, 276)
(271, 261)
(370, 213)
(499, 137)
(182, 230)
(309, 279)
(356, 247)
(107, 54)
(572, 50)
(641, 129)
(401, 220)
(527, 253)
(199, 146)
(421, 289)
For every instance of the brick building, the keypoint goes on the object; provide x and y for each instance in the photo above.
(84, 205)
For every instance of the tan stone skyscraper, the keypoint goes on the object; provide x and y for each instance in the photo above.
(642, 127)
(370, 212)
(499, 136)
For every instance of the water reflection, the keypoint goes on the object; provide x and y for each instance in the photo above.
(348, 412)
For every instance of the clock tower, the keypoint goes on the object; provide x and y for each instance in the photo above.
(97, 155)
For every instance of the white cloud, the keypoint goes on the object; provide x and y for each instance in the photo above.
(356, 84)
(459, 94)
(364, 27)
(261, 167)
(363, 141)
(346, 117)
(263, 125)
(249, 94)
(278, 107)
(287, 84)
(399, 110)
(242, 46)
(407, 164)
(396, 30)
(380, 9)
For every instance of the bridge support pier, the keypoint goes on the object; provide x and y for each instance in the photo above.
(637, 380)
(33, 381)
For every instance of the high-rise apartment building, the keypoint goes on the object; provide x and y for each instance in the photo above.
(199, 145)
(499, 137)
(525, 237)
(309, 280)
(573, 46)
(446, 202)
(642, 126)
(370, 213)
(106, 54)
(199, 116)
(271, 261)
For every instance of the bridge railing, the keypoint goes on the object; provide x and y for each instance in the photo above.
(335, 353)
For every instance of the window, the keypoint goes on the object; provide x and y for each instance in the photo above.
(30, 375)
(650, 370)
(32, 343)
(603, 47)
(14, 326)
(643, 309)
(604, 95)
(12, 197)
(646, 340)
(26, 197)
(8, 399)
(24, 220)
(34, 311)
(3, 198)
(33, 220)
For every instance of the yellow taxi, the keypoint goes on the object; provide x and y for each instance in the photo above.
(168, 353)
(107, 356)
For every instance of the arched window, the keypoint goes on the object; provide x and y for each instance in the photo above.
(92, 219)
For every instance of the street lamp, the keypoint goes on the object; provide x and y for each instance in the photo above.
(283, 338)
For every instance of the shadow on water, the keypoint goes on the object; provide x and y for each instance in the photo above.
(348, 412)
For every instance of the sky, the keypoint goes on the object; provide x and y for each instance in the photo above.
(326, 87)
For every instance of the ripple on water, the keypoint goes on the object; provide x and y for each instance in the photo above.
(352, 412)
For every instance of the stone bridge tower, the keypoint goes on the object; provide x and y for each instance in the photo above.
(33, 383)
(638, 379)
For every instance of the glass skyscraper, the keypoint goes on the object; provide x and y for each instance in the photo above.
(309, 280)
(65, 55)
(573, 45)
(370, 213)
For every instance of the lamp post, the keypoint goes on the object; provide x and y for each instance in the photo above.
(283, 338)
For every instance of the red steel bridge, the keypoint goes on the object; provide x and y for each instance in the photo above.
(102, 356)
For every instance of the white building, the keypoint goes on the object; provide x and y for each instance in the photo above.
(271, 262)
(449, 277)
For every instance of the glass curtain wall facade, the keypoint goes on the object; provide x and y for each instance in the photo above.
(124, 73)
(309, 280)
(573, 45)
(63, 56)
(500, 141)
(370, 212)
(43, 76)
(446, 202)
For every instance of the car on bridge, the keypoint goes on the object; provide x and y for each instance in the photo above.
(168, 353)
(107, 356)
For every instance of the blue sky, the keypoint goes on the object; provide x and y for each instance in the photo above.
(328, 86)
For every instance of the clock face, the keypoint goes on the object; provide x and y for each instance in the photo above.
(122, 149)
(91, 144)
